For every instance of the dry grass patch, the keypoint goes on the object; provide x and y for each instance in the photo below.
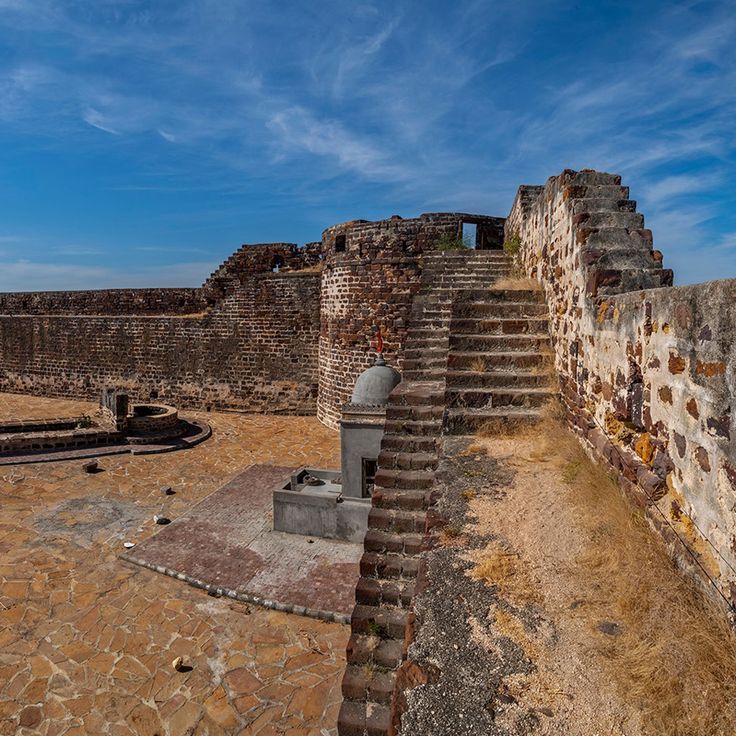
(499, 566)
(674, 655)
(517, 284)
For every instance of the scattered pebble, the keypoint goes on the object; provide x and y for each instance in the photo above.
(178, 663)
(167, 491)
(128, 545)
(161, 520)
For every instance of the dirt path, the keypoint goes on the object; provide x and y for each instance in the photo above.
(585, 627)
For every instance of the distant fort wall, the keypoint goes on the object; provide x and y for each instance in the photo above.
(276, 328)
(647, 374)
(246, 340)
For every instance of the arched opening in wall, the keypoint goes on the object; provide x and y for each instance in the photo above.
(470, 234)
(277, 264)
(340, 242)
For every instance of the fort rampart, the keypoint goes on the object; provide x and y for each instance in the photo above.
(647, 374)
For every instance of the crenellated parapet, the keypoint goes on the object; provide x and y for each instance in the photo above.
(647, 371)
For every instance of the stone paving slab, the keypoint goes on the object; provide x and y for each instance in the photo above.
(87, 641)
(226, 545)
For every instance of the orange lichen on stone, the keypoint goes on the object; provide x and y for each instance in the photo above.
(644, 449)
(710, 369)
(602, 311)
(676, 363)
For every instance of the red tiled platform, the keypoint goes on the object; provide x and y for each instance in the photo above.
(226, 545)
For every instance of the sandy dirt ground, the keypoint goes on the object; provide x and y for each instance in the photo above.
(619, 642)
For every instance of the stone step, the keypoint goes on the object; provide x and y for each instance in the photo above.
(384, 622)
(427, 337)
(418, 412)
(603, 204)
(388, 566)
(424, 363)
(405, 498)
(468, 421)
(480, 398)
(367, 684)
(588, 176)
(361, 718)
(588, 191)
(417, 393)
(517, 296)
(498, 325)
(439, 323)
(467, 254)
(425, 347)
(410, 427)
(377, 540)
(480, 362)
(409, 479)
(499, 379)
(407, 460)
(398, 519)
(430, 277)
(375, 591)
(431, 332)
(414, 443)
(634, 255)
(618, 237)
(363, 648)
(499, 343)
(629, 220)
(493, 309)
(429, 374)
(465, 265)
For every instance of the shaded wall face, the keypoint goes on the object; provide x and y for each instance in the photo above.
(647, 375)
(254, 350)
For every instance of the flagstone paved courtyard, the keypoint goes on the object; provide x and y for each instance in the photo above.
(87, 641)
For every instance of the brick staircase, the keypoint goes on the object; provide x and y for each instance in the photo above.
(499, 360)
(488, 323)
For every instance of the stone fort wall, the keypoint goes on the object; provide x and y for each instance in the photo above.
(647, 374)
(289, 340)
(245, 340)
(371, 273)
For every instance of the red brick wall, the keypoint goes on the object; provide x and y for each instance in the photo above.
(371, 285)
(255, 350)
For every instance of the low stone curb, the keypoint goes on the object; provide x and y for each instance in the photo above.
(80, 453)
(333, 616)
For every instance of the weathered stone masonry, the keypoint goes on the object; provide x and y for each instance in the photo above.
(647, 374)
(268, 330)
(245, 340)
(371, 273)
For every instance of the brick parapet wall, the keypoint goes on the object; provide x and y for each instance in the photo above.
(647, 374)
(105, 301)
(255, 350)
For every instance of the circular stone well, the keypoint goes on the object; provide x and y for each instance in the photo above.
(152, 419)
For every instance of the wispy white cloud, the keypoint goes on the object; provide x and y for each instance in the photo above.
(329, 107)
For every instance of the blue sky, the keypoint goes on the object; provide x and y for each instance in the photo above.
(142, 142)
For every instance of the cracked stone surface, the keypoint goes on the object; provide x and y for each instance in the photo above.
(87, 641)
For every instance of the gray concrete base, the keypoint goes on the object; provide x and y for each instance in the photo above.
(319, 510)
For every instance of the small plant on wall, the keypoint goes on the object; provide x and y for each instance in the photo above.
(512, 246)
(447, 243)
